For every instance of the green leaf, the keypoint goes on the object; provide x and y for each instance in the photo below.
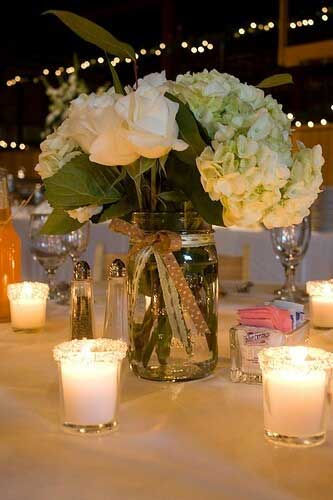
(92, 33)
(116, 81)
(188, 132)
(119, 209)
(276, 81)
(173, 196)
(59, 222)
(81, 182)
(187, 178)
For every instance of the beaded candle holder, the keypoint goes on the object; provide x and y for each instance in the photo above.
(321, 303)
(89, 375)
(27, 305)
(296, 390)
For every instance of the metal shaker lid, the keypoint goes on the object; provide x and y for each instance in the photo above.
(81, 270)
(117, 269)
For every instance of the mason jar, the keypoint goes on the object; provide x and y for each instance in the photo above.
(164, 342)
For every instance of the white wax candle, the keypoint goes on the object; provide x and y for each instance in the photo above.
(294, 402)
(321, 311)
(28, 314)
(27, 305)
(90, 392)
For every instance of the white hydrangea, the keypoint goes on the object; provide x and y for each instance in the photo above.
(56, 150)
(249, 166)
(83, 214)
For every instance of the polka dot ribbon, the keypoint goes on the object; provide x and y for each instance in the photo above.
(165, 243)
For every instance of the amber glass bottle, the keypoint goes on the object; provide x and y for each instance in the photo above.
(10, 248)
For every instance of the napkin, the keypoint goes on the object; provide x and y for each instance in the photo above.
(266, 316)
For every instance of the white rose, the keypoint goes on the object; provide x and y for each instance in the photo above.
(90, 116)
(150, 122)
(83, 214)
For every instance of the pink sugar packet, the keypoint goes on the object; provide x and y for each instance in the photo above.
(266, 316)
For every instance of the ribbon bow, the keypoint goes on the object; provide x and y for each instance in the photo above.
(163, 244)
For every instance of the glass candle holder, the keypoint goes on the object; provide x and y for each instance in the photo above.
(89, 376)
(27, 305)
(321, 303)
(296, 390)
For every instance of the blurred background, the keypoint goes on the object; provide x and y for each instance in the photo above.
(44, 66)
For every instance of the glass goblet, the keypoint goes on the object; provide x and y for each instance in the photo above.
(50, 250)
(78, 242)
(290, 245)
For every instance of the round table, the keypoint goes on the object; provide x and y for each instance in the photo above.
(192, 440)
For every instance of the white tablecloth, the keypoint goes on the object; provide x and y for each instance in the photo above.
(264, 267)
(194, 440)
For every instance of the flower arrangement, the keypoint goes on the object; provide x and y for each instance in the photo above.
(205, 139)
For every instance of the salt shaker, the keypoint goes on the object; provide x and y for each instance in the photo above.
(116, 314)
(82, 302)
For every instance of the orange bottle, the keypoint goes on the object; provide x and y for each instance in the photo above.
(10, 249)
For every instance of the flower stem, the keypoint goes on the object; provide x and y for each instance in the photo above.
(153, 188)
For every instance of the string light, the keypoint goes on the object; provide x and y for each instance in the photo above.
(253, 25)
(201, 49)
(70, 70)
(323, 121)
(162, 46)
(210, 46)
(100, 60)
(184, 45)
(271, 24)
(46, 71)
(3, 144)
(298, 124)
(194, 50)
(204, 43)
(310, 124)
(22, 146)
(143, 52)
(13, 144)
(290, 116)
(292, 25)
(57, 72)
(241, 31)
(324, 9)
(158, 52)
(324, 17)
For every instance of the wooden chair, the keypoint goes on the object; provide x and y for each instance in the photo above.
(234, 267)
(102, 262)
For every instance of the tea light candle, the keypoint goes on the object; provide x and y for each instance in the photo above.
(89, 372)
(27, 305)
(321, 303)
(295, 387)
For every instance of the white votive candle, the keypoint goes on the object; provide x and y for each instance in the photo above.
(321, 303)
(27, 305)
(295, 388)
(89, 371)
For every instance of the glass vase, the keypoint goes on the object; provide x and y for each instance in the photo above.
(158, 350)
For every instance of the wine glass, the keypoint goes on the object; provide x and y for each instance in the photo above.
(78, 242)
(50, 250)
(290, 245)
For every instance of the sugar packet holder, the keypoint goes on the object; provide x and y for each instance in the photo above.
(247, 341)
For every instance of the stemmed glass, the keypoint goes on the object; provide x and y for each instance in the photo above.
(50, 250)
(78, 242)
(290, 245)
